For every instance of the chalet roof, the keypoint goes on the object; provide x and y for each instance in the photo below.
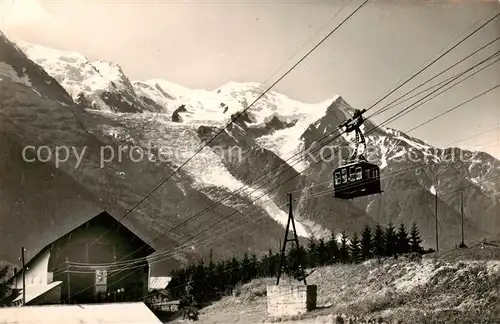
(156, 283)
(103, 218)
(136, 312)
(34, 291)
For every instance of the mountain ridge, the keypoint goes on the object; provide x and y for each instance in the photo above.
(139, 114)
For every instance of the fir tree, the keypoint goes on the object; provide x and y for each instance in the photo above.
(199, 282)
(189, 277)
(344, 249)
(294, 263)
(246, 269)
(254, 267)
(415, 239)
(233, 268)
(322, 256)
(355, 248)
(301, 256)
(221, 278)
(176, 281)
(390, 240)
(290, 261)
(366, 243)
(378, 242)
(271, 264)
(263, 265)
(210, 280)
(332, 250)
(403, 242)
(312, 253)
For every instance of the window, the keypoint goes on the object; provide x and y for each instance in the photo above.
(344, 175)
(352, 174)
(101, 252)
(359, 174)
(337, 178)
(75, 251)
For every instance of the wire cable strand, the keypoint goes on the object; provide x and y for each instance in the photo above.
(216, 223)
(437, 59)
(454, 108)
(367, 133)
(240, 114)
(389, 105)
(143, 259)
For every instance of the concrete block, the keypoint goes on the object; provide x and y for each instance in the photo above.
(290, 300)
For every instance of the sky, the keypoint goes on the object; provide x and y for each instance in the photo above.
(205, 44)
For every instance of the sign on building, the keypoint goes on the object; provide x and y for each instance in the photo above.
(101, 277)
(101, 288)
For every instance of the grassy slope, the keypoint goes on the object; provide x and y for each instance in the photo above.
(461, 286)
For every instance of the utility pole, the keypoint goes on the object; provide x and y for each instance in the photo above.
(15, 277)
(294, 239)
(437, 232)
(68, 280)
(24, 275)
(462, 212)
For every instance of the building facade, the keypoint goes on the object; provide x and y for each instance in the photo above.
(88, 265)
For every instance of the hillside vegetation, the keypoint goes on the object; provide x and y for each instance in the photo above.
(460, 286)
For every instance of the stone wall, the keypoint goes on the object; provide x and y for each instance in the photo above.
(290, 300)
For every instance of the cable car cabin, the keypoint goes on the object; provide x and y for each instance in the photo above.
(356, 179)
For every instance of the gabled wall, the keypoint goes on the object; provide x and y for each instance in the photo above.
(36, 273)
(87, 244)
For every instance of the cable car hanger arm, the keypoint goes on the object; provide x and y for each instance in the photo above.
(354, 122)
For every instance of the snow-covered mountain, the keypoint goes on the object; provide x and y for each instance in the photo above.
(51, 97)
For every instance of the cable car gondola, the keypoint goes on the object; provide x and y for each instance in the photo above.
(356, 177)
